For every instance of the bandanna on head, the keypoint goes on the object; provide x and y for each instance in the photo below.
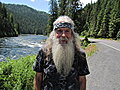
(63, 22)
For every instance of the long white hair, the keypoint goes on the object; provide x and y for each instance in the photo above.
(63, 56)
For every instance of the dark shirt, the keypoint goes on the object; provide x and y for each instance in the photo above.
(52, 80)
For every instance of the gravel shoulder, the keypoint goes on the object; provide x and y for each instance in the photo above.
(104, 66)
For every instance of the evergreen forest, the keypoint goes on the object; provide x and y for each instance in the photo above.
(7, 27)
(30, 20)
(99, 20)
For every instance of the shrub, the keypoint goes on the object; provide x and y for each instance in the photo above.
(85, 42)
(17, 74)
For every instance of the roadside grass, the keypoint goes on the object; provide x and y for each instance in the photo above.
(90, 49)
(118, 39)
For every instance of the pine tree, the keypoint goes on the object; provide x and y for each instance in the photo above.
(93, 20)
(62, 4)
(53, 15)
(118, 34)
(114, 24)
(86, 18)
(73, 10)
(99, 19)
(6, 23)
(76, 7)
(105, 22)
(96, 20)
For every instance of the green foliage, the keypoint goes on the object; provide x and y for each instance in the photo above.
(118, 34)
(99, 20)
(70, 8)
(53, 15)
(85, 42)
(30, 21)
(7, 28)
(17, 74)
(62, 4)
(102, 19)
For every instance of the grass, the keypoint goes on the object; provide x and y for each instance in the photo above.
(90, 49)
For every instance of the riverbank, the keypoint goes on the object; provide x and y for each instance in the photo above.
(18, 74)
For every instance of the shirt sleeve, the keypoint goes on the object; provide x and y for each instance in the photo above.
(82, 65)
(39, 62)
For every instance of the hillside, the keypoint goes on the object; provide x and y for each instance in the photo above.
(7, 27)
(30, 20)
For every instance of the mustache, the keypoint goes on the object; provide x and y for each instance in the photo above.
(61, 38)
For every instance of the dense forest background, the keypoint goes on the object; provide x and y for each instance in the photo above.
(7, 26)
(100, 19)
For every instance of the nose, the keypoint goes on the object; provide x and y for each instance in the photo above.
(63, 34)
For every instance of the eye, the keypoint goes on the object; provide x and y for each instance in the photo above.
(59, 31)
(67, 31)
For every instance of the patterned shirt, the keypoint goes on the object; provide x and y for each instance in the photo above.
(52, 80)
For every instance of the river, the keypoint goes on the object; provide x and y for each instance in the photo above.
(16, 47)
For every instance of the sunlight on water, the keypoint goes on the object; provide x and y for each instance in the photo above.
(15, 47)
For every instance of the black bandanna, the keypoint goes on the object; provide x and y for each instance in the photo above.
(63, 25)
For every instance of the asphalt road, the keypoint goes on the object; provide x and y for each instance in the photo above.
(104, 66)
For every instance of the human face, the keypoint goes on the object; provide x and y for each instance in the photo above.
(63, 34)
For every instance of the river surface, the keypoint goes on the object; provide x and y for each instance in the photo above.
(16, 47)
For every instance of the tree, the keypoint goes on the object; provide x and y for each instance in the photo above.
(118, 34)
(6, 23)
(73, 10)
(53, 15)
(62, 4)
(114, 24)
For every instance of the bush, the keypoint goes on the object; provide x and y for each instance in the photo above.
(85, 42)
(17, 74)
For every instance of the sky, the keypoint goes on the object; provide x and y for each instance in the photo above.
(40, 5)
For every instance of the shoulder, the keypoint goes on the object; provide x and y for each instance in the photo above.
(45, 50)
(82, 63)
(44, 53)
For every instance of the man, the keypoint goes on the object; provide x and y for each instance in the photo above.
(60, 64)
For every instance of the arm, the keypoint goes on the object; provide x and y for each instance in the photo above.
(82, 80)
(37, 81)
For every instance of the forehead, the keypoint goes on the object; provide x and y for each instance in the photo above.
(63, 29)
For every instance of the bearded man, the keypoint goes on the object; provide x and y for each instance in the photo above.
(60, 64)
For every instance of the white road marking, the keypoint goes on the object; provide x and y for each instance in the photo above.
(110, 46)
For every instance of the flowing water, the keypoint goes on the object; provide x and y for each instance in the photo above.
(15, 47)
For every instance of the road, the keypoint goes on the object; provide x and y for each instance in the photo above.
(104, 66)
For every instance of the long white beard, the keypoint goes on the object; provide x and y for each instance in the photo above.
(63, 56)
